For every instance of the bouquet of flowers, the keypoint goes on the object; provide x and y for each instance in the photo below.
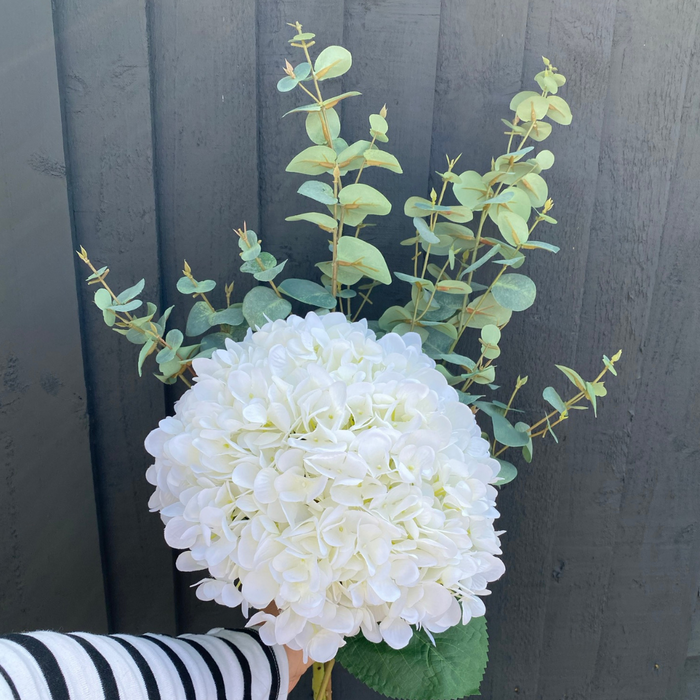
(345, 469)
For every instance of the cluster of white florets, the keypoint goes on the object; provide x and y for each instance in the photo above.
(334, 474)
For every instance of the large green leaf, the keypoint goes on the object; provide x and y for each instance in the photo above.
(318, 191)
(308, 292)
(503, 431)
(364, 257)
(327, 223)
(313, 160)
(360, 200)
(261, 305)
(332, 62)
(518, 203)
(507, 473)
(352, 157)
(485, 310)
(515, 292)
(314, 126)
(534, 105)
(558, 110)
(470, 190)
(382, 159)
(513, 228)
(535, 187)
(450, 669)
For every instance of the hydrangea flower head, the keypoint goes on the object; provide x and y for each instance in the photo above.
(335, 474)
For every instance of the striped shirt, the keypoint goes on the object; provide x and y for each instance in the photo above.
(220, 665)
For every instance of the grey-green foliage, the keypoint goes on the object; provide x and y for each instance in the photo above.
(470, 241)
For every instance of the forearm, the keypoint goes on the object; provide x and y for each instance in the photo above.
(220, 665)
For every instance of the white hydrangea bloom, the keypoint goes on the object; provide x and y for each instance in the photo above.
(335, 474)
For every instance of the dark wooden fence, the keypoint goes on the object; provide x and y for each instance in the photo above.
(146, 129)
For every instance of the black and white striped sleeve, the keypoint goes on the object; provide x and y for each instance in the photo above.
(220, 665)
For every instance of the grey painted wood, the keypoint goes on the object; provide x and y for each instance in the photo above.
(50, 567)
(623, 257)
(104, 76)
(653, 586)
(204, 122)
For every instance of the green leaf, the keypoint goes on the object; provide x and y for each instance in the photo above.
(382, 159)
(97, 274)
(313, 160)
(360, 200)
(609, 365)
(486, 310)
(420, 282)
(187, 286)
(535, 187)
(513, 228)
(261, 305)
(470, 190)
(314, 126)
(129, 294)
(515, 292)
(319, 191)
(109, 317)
(541, 244)
(174, 340)
(551, 396)
(270, 273)
(451, 669)
(507, 472)
(378, 124)
(363, 256)
(424, 231)
(233, 316)
(591, 396)
(521, 97)
(327, 223)
(491, 335)
(453, 287)
(410, 208)
(518, 204)
(199, 319)
(103, 299)
(333, 101)
(129, 306)
(146, 350)
(533, 105)
(573, 376)
(503, 431)
(252, 266)
(352, 157)
(558, 111)
(501, 198)
(483, 259)
(332, 62)
(545, 159)
(287, 83)
(346, 275)
(212, 342)
(539, 132)
(308, 292)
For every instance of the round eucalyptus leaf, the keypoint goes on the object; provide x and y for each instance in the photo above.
(515, 292)
(308, 292)
(332, 62)
(261, 305)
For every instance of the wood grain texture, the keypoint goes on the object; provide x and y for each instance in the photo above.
(204, 123)
(653, 584)
(636, 165)
(395, 47)
(104, 76)
(50, 567)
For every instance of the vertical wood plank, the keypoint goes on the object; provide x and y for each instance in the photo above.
(395, 48)
(204, 108)
(281, 139)
(104, 76)
(50, 567)
(653, 583)
(637, 160)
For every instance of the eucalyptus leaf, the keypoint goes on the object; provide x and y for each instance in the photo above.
(424, 232)
(319, 191)
(308, 292)
(558, 110)
(515, 292)
(513, 228)
(199, 319)
(103, 299)
(535, 187)
(573, 376)
(233, 316)
(314, 126)
(551, 396)
(269, 274)
(261, 305)
(506, 473)
(364, 257)
(327, 223)
(313, 160)
(332, 62)
(382, 159)
(503, 431)
(131, 292)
